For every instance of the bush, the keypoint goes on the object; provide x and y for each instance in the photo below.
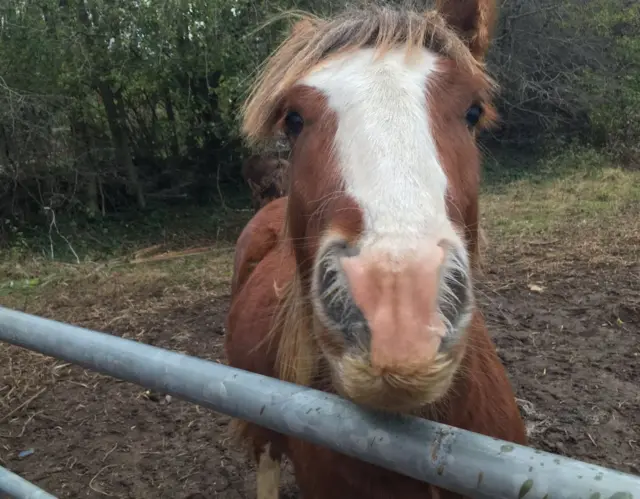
(111, 105)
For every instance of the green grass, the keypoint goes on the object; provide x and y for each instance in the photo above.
(106, 247)
(577, 189)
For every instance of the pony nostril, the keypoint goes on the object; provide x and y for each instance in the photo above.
(328, 277)
(333, 292)
(329, 269)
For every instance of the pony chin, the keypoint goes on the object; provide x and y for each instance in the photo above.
(400, 391)
(404, 390)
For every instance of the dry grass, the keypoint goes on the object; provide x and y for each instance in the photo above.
(44, 286)
(111, 296)
(590, 215)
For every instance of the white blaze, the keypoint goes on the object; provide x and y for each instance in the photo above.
(384, 145)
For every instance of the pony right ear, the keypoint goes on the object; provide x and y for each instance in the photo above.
(475, 20)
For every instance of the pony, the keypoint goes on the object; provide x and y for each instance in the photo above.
(266, 177)
(360, 281)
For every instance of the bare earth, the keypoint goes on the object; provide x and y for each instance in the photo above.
(566, 321)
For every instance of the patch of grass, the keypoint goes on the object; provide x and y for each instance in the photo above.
(25, 276)
(502, 169)
(88, 289)
(579, 201)
(117, 235)
(40, 259)
(585, 196)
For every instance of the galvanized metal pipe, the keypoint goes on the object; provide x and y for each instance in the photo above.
(467, 463)
(19, 488)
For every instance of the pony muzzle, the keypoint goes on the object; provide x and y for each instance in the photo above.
(399, 319)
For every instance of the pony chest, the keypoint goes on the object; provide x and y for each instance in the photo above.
(323, 474)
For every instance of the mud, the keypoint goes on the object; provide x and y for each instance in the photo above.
(569, 339)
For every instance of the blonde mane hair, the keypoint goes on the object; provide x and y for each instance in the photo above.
(314, 39)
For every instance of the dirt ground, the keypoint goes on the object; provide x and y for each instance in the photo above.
(566, 322)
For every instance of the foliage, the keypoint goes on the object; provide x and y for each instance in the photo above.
(557, 62)
(112, 106)
(616, 92)
(110, 101)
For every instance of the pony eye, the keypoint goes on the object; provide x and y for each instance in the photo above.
(474, 113)
(293, 123)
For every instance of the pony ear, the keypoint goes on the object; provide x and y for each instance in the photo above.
(474, 19)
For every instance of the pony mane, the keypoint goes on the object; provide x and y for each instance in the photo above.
(314, 39)
(297, 353)
(291, 329)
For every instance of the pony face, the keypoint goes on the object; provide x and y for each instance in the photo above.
(383, 197)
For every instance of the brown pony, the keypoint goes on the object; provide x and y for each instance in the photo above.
(360, 281)
(267, 179)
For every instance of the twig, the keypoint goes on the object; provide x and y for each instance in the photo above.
(146, 251)
(24, 426)
(179, 254)
(95, 489)
(592, 440)
(21, 406)
(190, 474)
(53, 224)
(109, 452)
(53, 257)
(224, 204)
(102, 203)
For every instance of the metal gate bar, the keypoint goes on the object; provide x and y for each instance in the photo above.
(19, 488)
(461, 461)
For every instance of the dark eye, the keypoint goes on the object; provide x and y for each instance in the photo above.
(474, 113)
(293, 123)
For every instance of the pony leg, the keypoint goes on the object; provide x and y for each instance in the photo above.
(268, 477)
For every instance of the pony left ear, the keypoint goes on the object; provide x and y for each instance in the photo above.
(475, 20)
